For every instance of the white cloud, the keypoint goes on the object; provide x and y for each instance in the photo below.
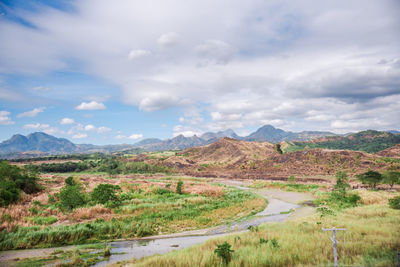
(135, 136)
(285, 57)
(132, 136)
(186, 131)
(5, 118)
(138, 53)
(90, 127)
(159, 101)
(92, 105)
(66, 121)
(36, 126)
(31, 113)
(168, 39)
(215, 51)
(43, 127)
(103, 129)
(79, 136)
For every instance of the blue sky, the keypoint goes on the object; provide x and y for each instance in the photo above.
(106, 72)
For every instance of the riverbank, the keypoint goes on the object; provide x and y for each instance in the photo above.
(278, 210)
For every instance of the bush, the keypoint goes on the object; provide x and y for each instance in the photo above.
(70, 181)
(72, 197)
(13, 180)
(224, 251)
(104, 193)
(394, 203)
(179, 187)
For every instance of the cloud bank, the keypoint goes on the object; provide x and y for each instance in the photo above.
(328, 65)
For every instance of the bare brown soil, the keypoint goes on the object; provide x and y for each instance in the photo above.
(229, 158)
(393, 152)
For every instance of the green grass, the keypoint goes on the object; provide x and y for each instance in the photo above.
(141, 214)
(287, 187)
(39, 220)
(302, 242)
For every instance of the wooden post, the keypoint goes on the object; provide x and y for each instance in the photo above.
(334, 242)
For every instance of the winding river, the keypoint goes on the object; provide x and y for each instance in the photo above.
(281, 205)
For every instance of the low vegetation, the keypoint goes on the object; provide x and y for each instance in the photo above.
(13, 181)
(131, 209)
(369, 141)
(301, 241)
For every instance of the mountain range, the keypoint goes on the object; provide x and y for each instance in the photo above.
(41, 143)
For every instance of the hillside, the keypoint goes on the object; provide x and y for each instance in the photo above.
(393, 152)
(369, 141)
(230, 158)
(225, 151)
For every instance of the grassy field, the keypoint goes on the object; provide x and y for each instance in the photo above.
(146, 206)
(372, 239)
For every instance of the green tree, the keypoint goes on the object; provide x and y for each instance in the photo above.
(391, 178)
(341, 185)
(224, 251)
(104, 193)
(72, 196)
(370, 177)
(278, 148)
(179, 187)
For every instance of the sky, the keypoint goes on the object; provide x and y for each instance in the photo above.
(108, 72)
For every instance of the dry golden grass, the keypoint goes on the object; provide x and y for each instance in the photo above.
(218, 216)
(374, 197)
(204, 189)
(371, 238)
(87, 213)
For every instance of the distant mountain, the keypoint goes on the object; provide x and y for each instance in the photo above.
(215, 136)
(148, 141)
(269, 133)
(37, 142)
(177, 143)
(370, 141)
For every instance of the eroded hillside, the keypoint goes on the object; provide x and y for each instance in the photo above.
(232, 158)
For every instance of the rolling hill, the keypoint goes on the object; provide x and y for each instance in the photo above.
(370, 141)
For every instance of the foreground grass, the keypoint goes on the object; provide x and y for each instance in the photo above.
(372, 237)
(146, 210)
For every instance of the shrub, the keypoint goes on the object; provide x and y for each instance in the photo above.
(291, 179)
(162, 191)
(274, 243)
(104, 193)
(394, 203)
(391, 178)
(179, 187)
(224, 251)
(341, 185)
(107, 252)
(72, 197)
(70, 181)
(13, 180)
